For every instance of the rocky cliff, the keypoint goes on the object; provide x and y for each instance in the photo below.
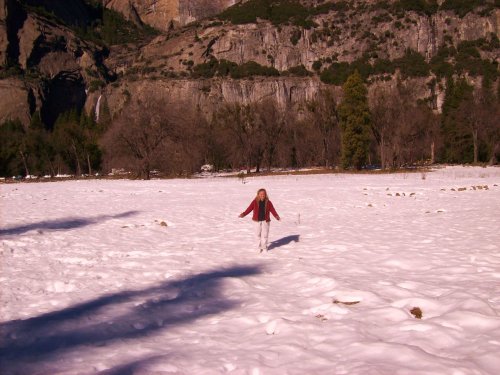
(60, 70)
(166, 14)
(46, 67)
(346, 36)
(4, 42)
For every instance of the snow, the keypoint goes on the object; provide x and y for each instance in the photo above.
(161, 277)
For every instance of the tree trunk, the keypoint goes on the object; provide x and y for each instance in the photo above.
(145, 170)
(382, 152)
(325, 152)
(89, 165)
(493, 158)
(52, 169)
(25, 163)
(77, 160)
(433, 155)
(270, 158)
(474, 139)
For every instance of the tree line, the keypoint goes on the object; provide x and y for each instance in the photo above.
(385, 127)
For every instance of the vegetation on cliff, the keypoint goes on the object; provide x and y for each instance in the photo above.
(295, 12)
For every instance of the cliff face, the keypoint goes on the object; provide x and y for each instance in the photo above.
(164, 14)
(206, 95)
(289, 46)
(62, 71)
(4, 42)
(50, 68)
(17, 100)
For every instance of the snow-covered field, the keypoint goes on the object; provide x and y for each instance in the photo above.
(92, 281)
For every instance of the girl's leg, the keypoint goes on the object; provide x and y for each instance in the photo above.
(265, 235)
(258, 231)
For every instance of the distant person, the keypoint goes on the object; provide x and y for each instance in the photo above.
(261, 207)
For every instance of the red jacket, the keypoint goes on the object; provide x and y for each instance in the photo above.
(255, 207)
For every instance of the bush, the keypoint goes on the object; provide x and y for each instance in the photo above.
(461, 7)
(299, 71)
(96, 85)
(336, 74)
(317, 65)
(277, 11)
(296, 35)
(224, 68)
(421, 6)
(111, 28)
(251, 68)
(412, 64)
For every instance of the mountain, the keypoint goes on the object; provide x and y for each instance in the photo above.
(328, 39)
(83, 54)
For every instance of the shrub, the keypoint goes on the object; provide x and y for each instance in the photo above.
(461, 7)
(336, 74)
(299, 71)
(225, 68)
(317, 65)
(251, 68)
(96, 85)
(421, 6)
(412, 64)
(278, 12)
(295, 37)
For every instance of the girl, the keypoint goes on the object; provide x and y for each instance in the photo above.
(261, 207)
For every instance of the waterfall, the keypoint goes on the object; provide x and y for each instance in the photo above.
(98, 108)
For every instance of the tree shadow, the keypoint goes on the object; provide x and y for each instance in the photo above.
(133, 367)
(25, 345)
(284, 241)
(66, 223)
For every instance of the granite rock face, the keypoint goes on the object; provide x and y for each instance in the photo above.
(207, 95)
(166, 14)
(71, 72)
(17, 100)
(4, 41)
(57, 67)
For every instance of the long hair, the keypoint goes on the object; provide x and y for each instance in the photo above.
(265, 192)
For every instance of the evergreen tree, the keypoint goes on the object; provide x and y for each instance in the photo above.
(354, 120)
(68, 140)
(13, 149)
(458, 140)
(90, 137)
(41, 150)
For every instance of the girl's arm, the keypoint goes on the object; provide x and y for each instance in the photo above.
(248, 210)
(273, 211)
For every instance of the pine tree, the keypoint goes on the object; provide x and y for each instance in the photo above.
(41, 153)
(68, 140)
(458, 141)
(354, 119)
(90, 137)
(13, 149)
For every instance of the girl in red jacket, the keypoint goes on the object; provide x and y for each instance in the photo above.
(261, 207)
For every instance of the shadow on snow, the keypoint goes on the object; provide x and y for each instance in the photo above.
(284, 241)
(66, 223)
(25, 345)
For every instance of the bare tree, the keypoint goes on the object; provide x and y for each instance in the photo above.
(385, 106)
(243, 126)
(140, 132)
(479, 114)
(272, 124)
(406, 131)
(322, 112)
